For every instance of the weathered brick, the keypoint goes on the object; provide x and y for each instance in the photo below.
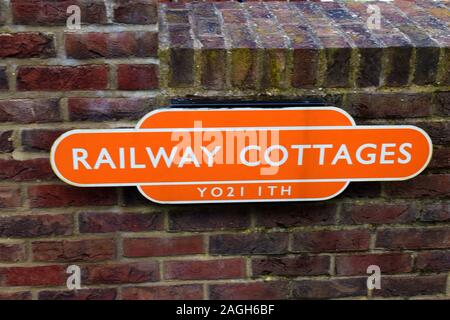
(136, 12)
(6, 142)
(83, 294)
(270, 290)
(422, 186)
(326, 289)
(173, 292)
(27, 170)
(244, 70)
(181, 71)
(442, 103)
(331, 241)
(29, 110)
(274, 69)
(52, 275)
(162, 246)
(433, 261)
(438, 131)
(380, 105)
(213, 68)
(306, 65)
(440, 158)
(253, 243)
(12, 252)
(195, 218)
(78, 250)
(56, 78)
(101, 109)
(204, 269)
(412, 286)
(356, 265)
(116, 273)
(378, 213)
(26, 45)
(40, 139)
(291, 266)
(370, 68)
(10, 196)
(3, 79)
(338, 67)
(137, 77)
(435, 211)
(102, 222)
(24, 226)
(290, 214)
(111, 45)
(413, 238)
(50, 12)
(48, 196)
(21, 295)
(399, 61)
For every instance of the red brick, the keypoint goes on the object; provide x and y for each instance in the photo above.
(50, 12)
(34, 169)
(174, 292)
(52, 275)
(116, 273)
(136, 12)
(26, 45)
(24, 226)
(356, 265)
(29, 110)
(412, 286)
(433, 261)
(413, 238)
(83, 294)
(12, 252)
(378, 213)
(291, 266)
(327, 289)
(101, 109)
(21, 295)
(9, 196)
(40, 139)
(101, 222)
(48, 196)
(422, 186)
(111, 45)
(252, 243)
(62, 78)
(162, 246)
(204, 269)
(195, 218)
(6, 141)
(78, 250)
(3, 79)
(270, 290)
(390, 105)
(287, 215)
(331, 241)
(137, 76)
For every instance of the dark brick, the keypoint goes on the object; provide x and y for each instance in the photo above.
(331, 241)
(202, 218)
(3, 79)
(173, 292)
(356, 265)
(26, 45)
(291, 266)
(378, 213)
(326, 289)
(101, 222)
(413, 238)
(270, 290)
(412, 286)
(25, 226)
(248, 244)
(29, 110)
(136, 11)
(204, 269)
(6, 142)
(83, 294)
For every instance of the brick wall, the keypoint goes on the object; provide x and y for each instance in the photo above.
(113, 71)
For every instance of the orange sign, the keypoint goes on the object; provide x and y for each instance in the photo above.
(241, 155)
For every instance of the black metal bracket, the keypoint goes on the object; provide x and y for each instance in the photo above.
(242, 103)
